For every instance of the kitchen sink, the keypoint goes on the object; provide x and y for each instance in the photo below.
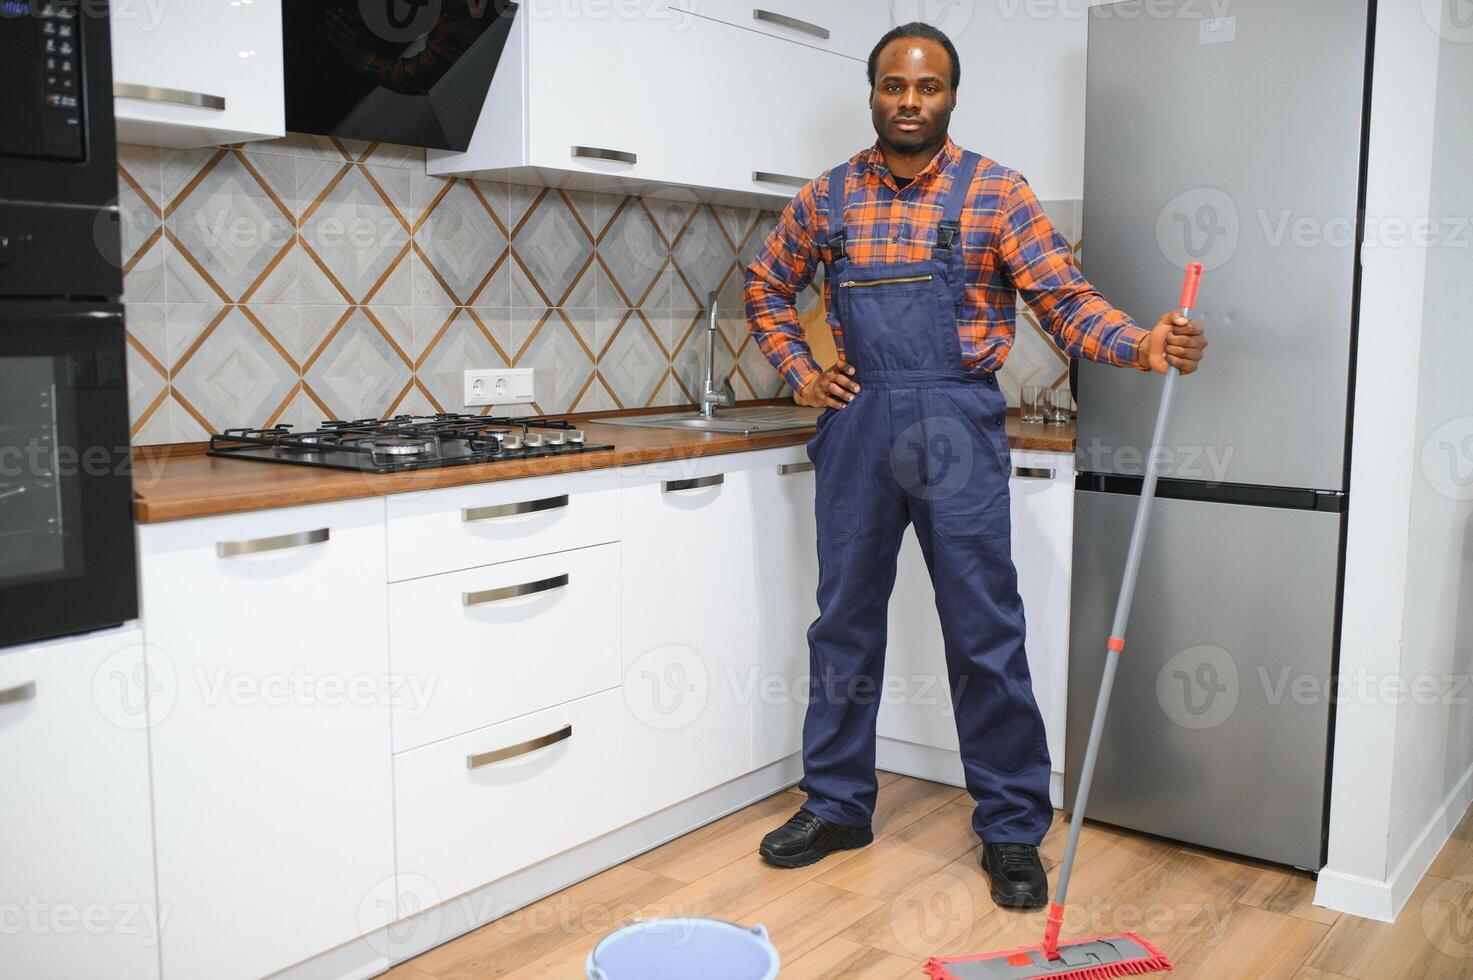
(743, 421)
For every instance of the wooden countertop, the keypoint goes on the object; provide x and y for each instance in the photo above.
(172, 483)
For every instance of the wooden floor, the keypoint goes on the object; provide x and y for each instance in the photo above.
(878, 913)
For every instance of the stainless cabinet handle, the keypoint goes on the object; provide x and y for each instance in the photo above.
(694, 483)
(1033, 473)
(507, 510)
(512, 591)
(792, 23)
(173, 96)
(600, 153)
(15, 695)
(768, 177)
(787, 469)
(233, 549)
(521, 748)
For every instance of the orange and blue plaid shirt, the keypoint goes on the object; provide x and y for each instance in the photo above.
(1008, 246)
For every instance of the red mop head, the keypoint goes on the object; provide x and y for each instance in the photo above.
(1122, 955)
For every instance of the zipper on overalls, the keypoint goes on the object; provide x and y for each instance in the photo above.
(885, 282)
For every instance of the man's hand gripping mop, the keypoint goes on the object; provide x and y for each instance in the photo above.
(1126, 954)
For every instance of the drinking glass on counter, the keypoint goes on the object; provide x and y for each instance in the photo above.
(1031, 407)
(1057, 405)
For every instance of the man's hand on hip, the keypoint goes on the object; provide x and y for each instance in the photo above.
(835, 388)
(1175, 342)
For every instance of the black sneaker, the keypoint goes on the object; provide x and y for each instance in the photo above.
(1018, 878)
(807, 838)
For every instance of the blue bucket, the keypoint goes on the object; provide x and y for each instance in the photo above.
(683, 948)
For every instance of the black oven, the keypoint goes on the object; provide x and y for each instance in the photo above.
(66, 505)
(67, 554)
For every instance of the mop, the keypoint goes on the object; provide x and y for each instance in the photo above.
(1125, 954)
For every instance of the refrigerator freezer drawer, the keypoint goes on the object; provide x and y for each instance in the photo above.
(1218, 731)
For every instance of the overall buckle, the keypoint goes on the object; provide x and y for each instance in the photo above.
(836, 246)
(947, 232)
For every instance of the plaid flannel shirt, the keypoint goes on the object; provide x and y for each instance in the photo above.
(1009, 248)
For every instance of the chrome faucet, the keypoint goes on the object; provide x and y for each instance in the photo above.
(711, 396)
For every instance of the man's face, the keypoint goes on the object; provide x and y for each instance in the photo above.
(912, 99)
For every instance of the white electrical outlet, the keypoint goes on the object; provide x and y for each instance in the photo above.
(498, 387)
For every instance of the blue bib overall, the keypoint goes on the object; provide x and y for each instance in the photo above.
(923, 443)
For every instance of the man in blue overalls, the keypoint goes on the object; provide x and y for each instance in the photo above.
(926, 246)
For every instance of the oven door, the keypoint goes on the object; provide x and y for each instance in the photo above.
(67, 560)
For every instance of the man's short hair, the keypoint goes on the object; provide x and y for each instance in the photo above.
(918, 28)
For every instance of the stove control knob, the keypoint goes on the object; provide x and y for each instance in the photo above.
(552, 439)
(511, 441)
(532, 440)
(575, 437)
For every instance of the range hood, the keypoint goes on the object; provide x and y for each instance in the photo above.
(411, 72)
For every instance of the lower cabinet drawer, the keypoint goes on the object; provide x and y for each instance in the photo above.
(474, 648)
(480, 806)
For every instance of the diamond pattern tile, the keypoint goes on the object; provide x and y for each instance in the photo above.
(235, 373)
(633, 365)
(562, 361)
(358, 373)
(306, 278)
(358, 231)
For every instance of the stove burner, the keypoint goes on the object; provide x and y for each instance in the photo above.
(406, 442)
(392, 445)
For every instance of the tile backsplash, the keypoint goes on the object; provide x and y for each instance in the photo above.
(306, 278)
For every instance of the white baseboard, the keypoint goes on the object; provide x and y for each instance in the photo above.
(1384, 900)
(378, 951)
(940, 766)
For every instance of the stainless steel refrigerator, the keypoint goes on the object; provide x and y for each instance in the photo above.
(1237, 141)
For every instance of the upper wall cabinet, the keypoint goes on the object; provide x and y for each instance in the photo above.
(849, 27)
(753, 113)
(198, 73)
(579, 92)
(640, 96)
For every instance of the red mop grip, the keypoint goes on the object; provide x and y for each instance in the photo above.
(1116, 643)
(1189, 286)
(1051, 931)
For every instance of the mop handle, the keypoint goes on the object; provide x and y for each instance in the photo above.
(1116, 642)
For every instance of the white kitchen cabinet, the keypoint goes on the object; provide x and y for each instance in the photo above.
(689, 666)
(720, 74)
(1042, 504)
(579, 91)
(465, 527)
(198, 73)
(76, 848)
(847, 27)
(488, 644)
(477, 807)
(270, 732)
(786, 581)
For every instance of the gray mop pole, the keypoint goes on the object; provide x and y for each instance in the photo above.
(1117, 630)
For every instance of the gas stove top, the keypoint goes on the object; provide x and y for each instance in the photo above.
(406, 442)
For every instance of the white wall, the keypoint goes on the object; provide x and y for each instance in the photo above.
(1400, 767)
(1434, 741)
(1021, 100)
